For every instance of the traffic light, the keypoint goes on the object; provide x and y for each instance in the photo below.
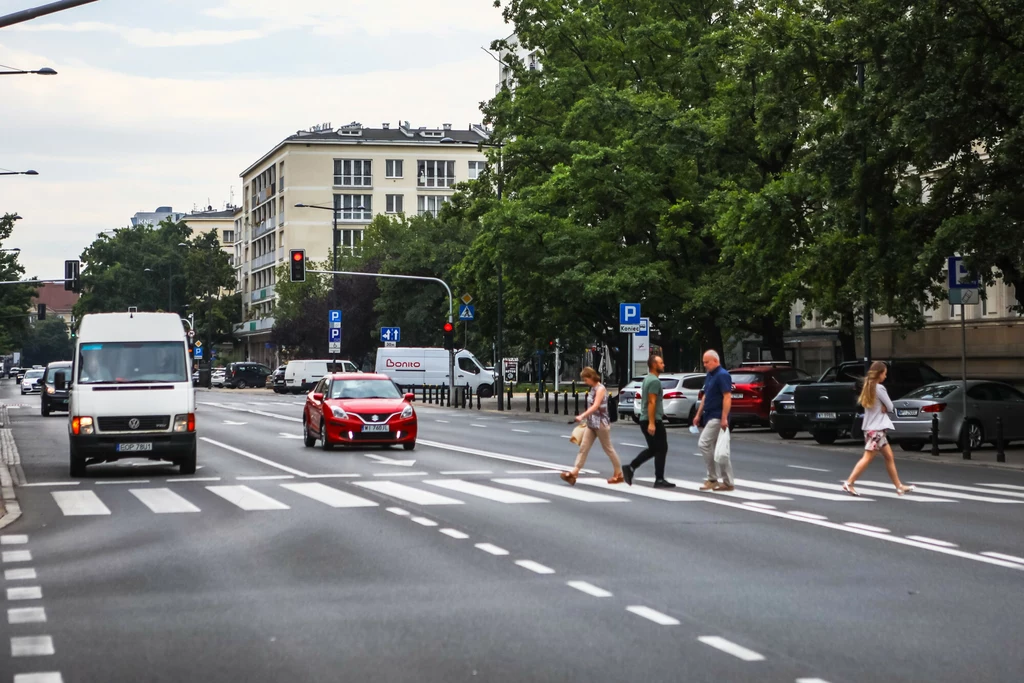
(72, 282)
(298, 265)
(449, 336)
(41, 312)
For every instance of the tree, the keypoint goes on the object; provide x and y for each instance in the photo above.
(15, 300)
(46, 342)
(207, 274)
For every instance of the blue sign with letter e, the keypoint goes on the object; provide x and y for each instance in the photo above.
(467, 312)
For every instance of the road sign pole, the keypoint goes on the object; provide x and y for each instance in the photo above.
(499, 351)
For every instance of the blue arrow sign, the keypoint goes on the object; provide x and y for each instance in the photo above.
(391, 334)
(334, 334)
(467, 312)
(334, 318)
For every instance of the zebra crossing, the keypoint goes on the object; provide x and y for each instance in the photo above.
(280, 496)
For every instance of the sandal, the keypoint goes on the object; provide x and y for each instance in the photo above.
(569, 478)
(617, 479)
(848, 487)
(905, 489)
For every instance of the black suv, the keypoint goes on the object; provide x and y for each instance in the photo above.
(246, 374)
(277, 381)
(50, 397)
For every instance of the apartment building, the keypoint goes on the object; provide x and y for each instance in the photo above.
(221, 223)
(161, 214)
(356, 170)
(530, 58)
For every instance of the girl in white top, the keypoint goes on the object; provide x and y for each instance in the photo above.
(877, 407)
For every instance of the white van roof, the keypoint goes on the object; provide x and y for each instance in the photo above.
(130, 327)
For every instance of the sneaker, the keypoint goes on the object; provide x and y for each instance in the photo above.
(664, 484)
(723, 487)
(627, 474)
(708, 485)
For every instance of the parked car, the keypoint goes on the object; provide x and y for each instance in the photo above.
(13, 372)
(30, 383)
(302, 375)
(245, 374)
(217, 377)
(680, 397)
(51, 397)
(364, 409)
(195, 378)
(986, 401)
(276, 380)
(829, 409)
(783, 419)
(754, 385)
(626, 400)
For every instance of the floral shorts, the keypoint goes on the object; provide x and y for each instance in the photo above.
(874, 441)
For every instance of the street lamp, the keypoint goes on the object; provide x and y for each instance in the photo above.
(170, 281)
(45, 71)
(29, 172)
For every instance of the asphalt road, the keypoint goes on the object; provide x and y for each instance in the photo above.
(469, 560)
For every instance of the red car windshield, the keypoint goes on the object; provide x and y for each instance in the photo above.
(364, 388)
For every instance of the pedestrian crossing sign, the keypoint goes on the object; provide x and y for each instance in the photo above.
(467, 312)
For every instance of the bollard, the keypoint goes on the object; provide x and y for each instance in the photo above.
(556, 403)
(527, 400)
(577, 399)
(966, 432)
(574, 387)
(478, 400)
(448, 395)
(1000, 452)
(510, 398)
(536, 402)
(469, 391)
(565, 402)
(547, 404)
(935, 435)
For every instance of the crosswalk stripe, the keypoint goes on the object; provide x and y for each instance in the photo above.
(561, 491)
(1005, 486)
(877, 494)
(330, 496)
(79, 503)
(939, 492)
(641, 491)
(246, 498)
(971, 489)
(792, 491)
(163, 501)
(742, 495)
(408, 493)
(486, 492)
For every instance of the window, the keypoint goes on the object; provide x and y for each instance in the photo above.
(352, 173)
(467, 365)
(229, 236)
(435, 173)
(851, 373)
(364, 388)
(131, 362)
(476, 168)
(350, 239)
(430, 204)
(393, 168)
(693, 383)
(395, 203)
(353, 207)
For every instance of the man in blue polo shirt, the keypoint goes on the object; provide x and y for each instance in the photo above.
(713, 415)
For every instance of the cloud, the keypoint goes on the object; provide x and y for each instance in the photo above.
(144, 37)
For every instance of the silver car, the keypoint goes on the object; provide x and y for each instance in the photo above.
(986, 401)
(626, 401)
(679, 397)
(30, 385)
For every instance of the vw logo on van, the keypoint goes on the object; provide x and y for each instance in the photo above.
(133, 423)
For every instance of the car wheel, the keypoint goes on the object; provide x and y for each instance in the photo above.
(44, 409)
(324, 443)
(787, 433)
(693, 415)
(486, 391)
(977, 436)
(826, 437)
(77, 468)
(241, 384)
(187, 465)
(409, 446)
(912, 446)
(307, 439)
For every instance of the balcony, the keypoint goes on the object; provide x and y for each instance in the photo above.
(262, 294)
(263, 228)
(263, 261)
(254, 327)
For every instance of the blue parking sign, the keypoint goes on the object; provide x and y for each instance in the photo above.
(334, 334)
(629, 317)
(197, 352)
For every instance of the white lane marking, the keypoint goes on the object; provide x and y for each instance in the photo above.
(31, 646)
(454, 533)
(742, 495)
(535, 567)
(867, 527)
(26, 615)
(491, 549)
(652, 615)
(408, 493)
(531, 471)
(400, 474)
(876, 494)
(25, 593)
(121, 481)
(226, 406)
(633, 445)
(923, 490)
(332, 476)
(969, 489)
(589, 589)
(560, 490)
(266, 477)
(996, 486)
(253, 456)
(794, 491)
(807, 515)
(443, 421)
(932, 541)
(398, 511)
(763, 506)
(564, 436)
(478, 426)
(729, 647)
(79, 503)
(423, 521)
(811, 680)
(163, 501)
(527, 431)
(247, 498)
(812, 469)
(641, 491)
(47, 677)
(486, 492)
(465, 472)
(500, 456)
(330, 496)
(13, 539)
(173, 479)
(53, 483)
(28, 574)
(16, 556)
(1001, 556)
(521, 422)
(288, 435)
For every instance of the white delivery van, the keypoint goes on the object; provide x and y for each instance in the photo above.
(417, 367)
(131, 395)
(301, 375)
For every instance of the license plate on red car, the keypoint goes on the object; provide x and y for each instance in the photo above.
(735, 395)
(375, 428)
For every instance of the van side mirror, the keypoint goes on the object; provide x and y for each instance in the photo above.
(59, 383)
(410, 397)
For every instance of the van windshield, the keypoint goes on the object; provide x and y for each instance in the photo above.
(131, 362)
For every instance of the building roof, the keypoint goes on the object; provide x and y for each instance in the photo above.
(55, 297)
(356, 134)
(211, 215)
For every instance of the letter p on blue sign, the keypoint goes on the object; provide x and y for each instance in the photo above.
(629, 317)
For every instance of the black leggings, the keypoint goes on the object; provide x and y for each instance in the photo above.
(657, 448)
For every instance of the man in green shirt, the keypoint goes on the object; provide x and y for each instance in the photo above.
(652, 422)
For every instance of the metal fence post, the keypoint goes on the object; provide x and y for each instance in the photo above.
(935, 435)
(965, 431)
(1000, 450)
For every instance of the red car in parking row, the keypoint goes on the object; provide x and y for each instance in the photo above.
(358, 409)
(754, 385)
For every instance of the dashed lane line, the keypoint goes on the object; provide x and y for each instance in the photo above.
(729, 647)
(653, 615)
(589, 589)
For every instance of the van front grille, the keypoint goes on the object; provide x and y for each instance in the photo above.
(124, 424)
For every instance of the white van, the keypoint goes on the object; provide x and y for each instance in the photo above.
(417, 367)
(131, 395)
(301, 375)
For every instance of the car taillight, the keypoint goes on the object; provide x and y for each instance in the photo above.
(673, 394)
(934, 408)
(191, 422)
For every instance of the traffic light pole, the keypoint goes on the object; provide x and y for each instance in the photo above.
(451, 352)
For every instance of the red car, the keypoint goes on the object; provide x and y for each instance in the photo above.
(753, 388)
(364, 409)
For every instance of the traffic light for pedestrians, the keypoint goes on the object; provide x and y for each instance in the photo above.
(41, 312)
(298, 265)
(72, 283)
(449, 336)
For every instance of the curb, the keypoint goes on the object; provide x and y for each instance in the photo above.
(9, 459)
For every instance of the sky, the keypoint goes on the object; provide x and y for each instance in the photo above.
(165, 102)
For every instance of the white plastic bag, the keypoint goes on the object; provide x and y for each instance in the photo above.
(722, 447)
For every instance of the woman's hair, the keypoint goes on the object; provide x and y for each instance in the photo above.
(590, 373)
(868, 394)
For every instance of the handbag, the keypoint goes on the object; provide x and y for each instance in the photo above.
(577, 434)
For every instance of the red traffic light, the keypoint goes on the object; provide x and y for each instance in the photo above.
(298, 256)
(448, 327)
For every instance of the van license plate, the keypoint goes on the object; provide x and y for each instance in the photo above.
(133, 447)
(826, 416)
(375, 428)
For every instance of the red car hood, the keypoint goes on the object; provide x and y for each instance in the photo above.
(379, 406)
